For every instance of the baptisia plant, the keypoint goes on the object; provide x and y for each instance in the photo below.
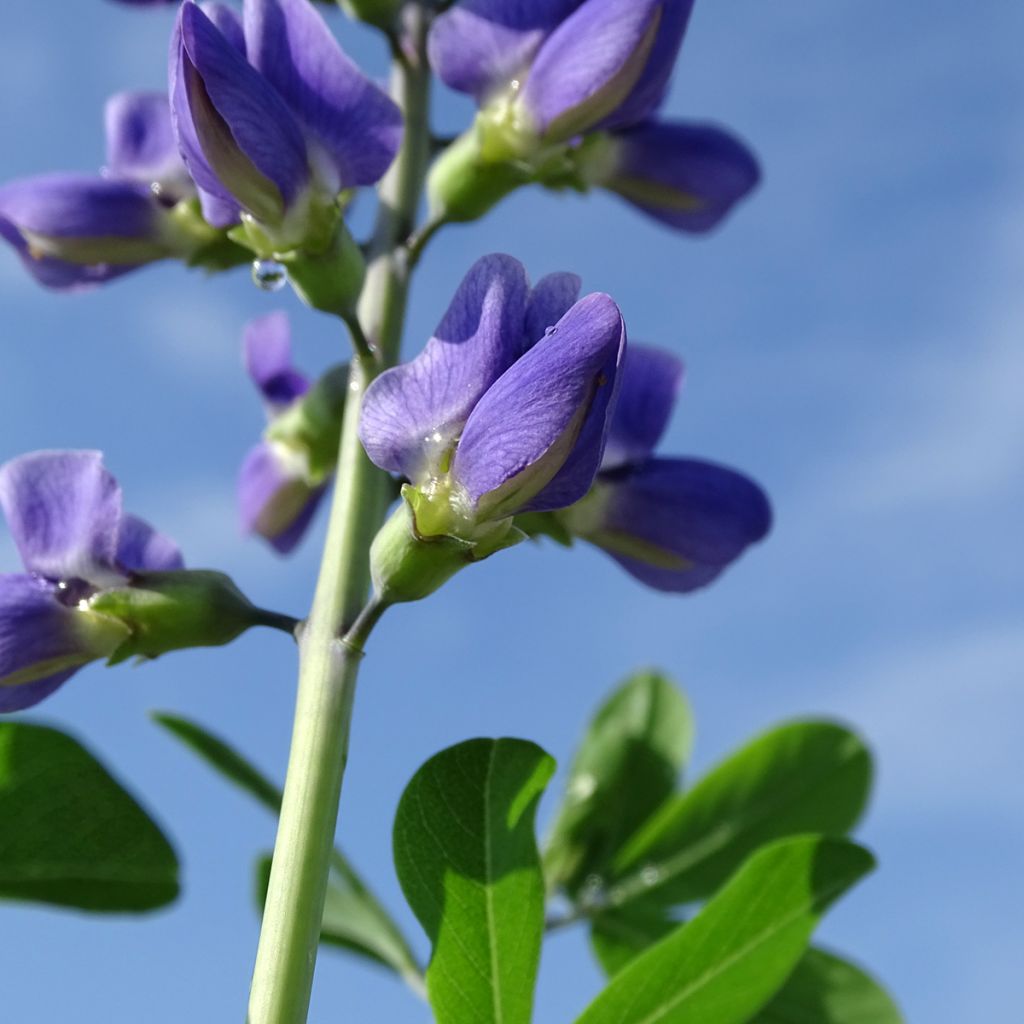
(286, 474)
(98, 583)
(274, 123)
(504, 412)
(77, 230)
(568, 91)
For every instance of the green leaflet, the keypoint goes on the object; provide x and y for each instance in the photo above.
(725, 964)
(803, 777)
(627, 765)
(467, 860)
(70, 835)
(353, 918)
(827, 990)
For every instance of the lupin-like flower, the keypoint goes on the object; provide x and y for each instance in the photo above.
(505, 411)
(77, 230)
(285, 475)
(567, 92)
(675, 524)
(274, 120)
(64, 512)
(98, 583)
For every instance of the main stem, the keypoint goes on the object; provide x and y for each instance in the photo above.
(328, 666)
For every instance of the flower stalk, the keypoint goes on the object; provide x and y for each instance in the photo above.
(328, 667)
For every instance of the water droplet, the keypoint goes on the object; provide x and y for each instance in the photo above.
(582, 787)
(515, 84)
(550, 330)
(156, 188)
(269, 275)
(650, 875)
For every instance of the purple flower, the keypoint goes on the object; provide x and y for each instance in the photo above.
(285, 475)
(675, 524)
(78, 230)
(507, 407)
(272, 117)
(64, 512)
(567, 91)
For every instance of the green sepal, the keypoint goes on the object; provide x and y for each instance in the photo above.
(544, 524)
(170, 611)
(312, 424)
(329, 280)
(408, 564)
(463, 184)
(381, 13)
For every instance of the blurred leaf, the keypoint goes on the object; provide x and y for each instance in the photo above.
(726, 963)
(354, 921)
(619, 936)
(827, 990)
(467, 860)
(627, 766)
(804, 777)
(69, 833)
(218, 754)
(353, 917)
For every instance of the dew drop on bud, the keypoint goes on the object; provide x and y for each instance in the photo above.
(269, 275)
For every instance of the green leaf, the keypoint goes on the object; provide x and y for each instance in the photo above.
(353, 917)
(354, 922)
(70, 835)
(467, 861)
(627, 766)
(799, 778)
(619, 936)
(215, 752)
(725, 964)
(827, 990)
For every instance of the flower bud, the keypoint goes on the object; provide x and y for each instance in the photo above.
(170, 611)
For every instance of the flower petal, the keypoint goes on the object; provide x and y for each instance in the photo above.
(64, 512)
(140, 548)
(141, 144)
(539, 431)
(480, 46)
(273, 502)
(79, 206)
(698, 515)
(59, 274)
(650, 385)
(43, 642)
(649, 91)
(243, 127)
(589, 65)
(413, 414)
(268, 359)
(228, 23)
(355, 121)
(552, 297)
(686, 175)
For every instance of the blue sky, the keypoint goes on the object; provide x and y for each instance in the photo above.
(852, 340)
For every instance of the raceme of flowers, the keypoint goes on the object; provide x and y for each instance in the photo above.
(568, 93)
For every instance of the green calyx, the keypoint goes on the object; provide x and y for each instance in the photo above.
(310, 428)
(170, 611)
(408, 561)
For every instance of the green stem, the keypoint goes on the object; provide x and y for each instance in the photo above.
(289, 939)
